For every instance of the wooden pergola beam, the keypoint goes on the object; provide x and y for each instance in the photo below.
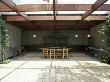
(23, 15)
(9, 4)
(24, 24)
(51, 18)
(54, 13)
(12, 6)
(47, 23)
(48, 7)
(58, 27)
(95, 6)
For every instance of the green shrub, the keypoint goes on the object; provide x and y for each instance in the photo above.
(4, 40)
(105, 32)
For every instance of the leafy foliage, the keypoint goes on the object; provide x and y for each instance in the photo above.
(5, 61)
(4, 39)
(105, 32)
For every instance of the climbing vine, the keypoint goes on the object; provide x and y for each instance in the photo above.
(4, 39)
(105, 33)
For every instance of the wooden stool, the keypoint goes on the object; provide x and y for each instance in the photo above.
(52, 53)
(65, 53)
(45, 52)
(59, 53)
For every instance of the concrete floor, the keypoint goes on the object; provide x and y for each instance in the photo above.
(33, 68)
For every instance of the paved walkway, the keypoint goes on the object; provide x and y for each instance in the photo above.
(32, 68)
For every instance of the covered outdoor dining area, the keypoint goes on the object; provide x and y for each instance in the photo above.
(54, 40)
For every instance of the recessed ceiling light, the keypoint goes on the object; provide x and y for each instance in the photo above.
(34, 35)
(76, 35)
(88, 35)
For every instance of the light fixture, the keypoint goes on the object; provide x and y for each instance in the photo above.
(88, 35)
(103, 40)
(76, 35)
(34, 35)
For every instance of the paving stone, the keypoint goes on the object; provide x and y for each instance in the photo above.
(33, 68)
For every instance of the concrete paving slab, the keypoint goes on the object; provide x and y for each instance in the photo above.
(33, 68)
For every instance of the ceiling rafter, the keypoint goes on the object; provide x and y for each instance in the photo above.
(50, 18)
(47, 23)
(54, 13)
(9, 6)
(58, 27)
(12, 6)
(48, 7)
(94, 7)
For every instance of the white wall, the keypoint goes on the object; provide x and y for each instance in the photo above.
(27, 36)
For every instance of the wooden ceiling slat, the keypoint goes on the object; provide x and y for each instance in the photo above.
(12, 6)
(94, 7)
(51, 18)
(98, 3)
(62, 27)
(30, 21)
(59, 25)
(35, 7)
(24, 15)
(4, 8)
(104, 7)
(59, 7)
(9, 4)
(47, 23)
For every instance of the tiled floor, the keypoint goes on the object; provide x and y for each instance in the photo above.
(33, 68)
